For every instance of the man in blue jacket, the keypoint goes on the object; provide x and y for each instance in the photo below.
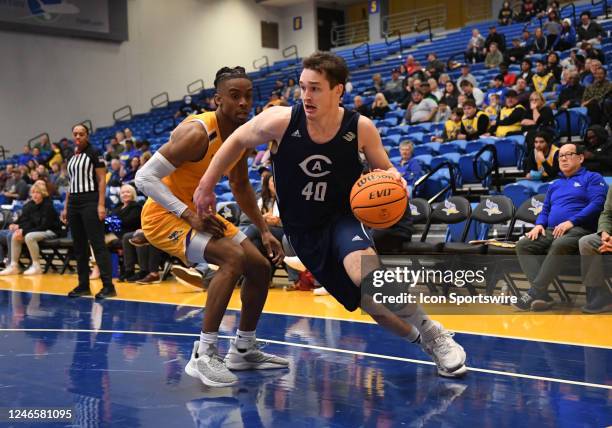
(571, 209)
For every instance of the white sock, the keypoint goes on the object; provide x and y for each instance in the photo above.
(422, 323)
(414, 336)
(207, 340)
(244, 339)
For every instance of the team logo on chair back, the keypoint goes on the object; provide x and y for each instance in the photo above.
(536, 206)
(226, 213)
(450, 208)
(414, 210)
(492, 208)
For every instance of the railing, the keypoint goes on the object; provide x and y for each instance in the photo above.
(262, 62)
(3, 152)
(87, 124)
(195, 86)
(452, 185)
(399, 39)
(367, 51)
(494, 167)
(290, 51)
(408, 22)
(348, 34)
(118, 115)
(428, 27)
(38, 137)
(164, 124)
(573, 14)
(604, 4)
(159, 100)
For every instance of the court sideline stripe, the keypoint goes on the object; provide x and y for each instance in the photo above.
(320, 348)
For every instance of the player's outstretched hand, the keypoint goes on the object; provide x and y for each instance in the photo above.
(274, 249)
(205, 202)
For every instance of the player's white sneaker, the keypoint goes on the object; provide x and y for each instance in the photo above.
(253, 359)
(209, 367)
(448, 355)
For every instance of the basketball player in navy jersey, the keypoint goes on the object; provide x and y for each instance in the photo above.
(316, 162)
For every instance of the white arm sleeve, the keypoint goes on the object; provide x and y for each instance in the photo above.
(148, 181)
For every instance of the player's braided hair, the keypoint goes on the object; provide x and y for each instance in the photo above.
(227, 73)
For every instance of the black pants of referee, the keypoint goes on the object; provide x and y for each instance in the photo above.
(86, 228)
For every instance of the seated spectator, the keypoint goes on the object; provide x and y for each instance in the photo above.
(145, 157)
(113, 176)
(275, 100)
(129, 136)
(510, 116)
(542, 163)
(129, 173)
(450, 95)
(25, 156)
(434, 90)
(43, 145)
(538, 117)
(598, 296)
(290, 89)
(526, 40)
(6, 174)
(421, 109)
(598, 150)
(38, 221)
(145, 149)
(567, 37)
(526, 72)
(466, 75)
(279, 88)
(540, 42)
(543, 80)
(552, 29)
(394, 88)
(474, 123)
(380, 106)
(528, 11)
(412, 65)
(571, 94)
(15, 188)
(497, 88)
(509, 79)
(571, 209)
(587, 77)
(435, 67)
(492, 109)
(594, 94)
(494, 56)
(504, 17)
(129, 153)
(472, 93)
(443, 113)
(408, 167)
(67, 148)
(187, 108)
(475, 51)
(553, 63)
(378, 85)
(589, 30)
(55, 156)
(515, 53)
(522, 92)
(37, 156)
(497, 38)
(360, 107)
(62, 182)
(592, 53)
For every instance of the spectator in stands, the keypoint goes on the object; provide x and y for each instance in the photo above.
(505, 15)
(380, 106)
(279, 88)
(443, 113)
(554, 66)
(543, 80)
(526, 40)
(515, 53)
(378, 85)
(567, 37)
(475, 51)
(275, 100)
(510, 116)
(407, 166)
(15, 188)
(590, 52)
(541, 7)
(37, 155)
(412, 65)
(571, 94)
(466, 75)
(62, 181)
(113, 176)
(472, 93)
(497, 88)
(55, 156)
(540, 42)
(474, 123)
(461, 99)
(188, 107)
(493, 106)
(421, 109)
(450, 94)
(594, 95)
(598, 296)
(538, 117)
(435, 67)
(6, 174)
(408, 89)
(290, 89)
(528, 11)
(452, 126)
(129, 136)
(598, 150)
(129, 172)
(434, 89)
(497, 38)
(120, 136)
(25, 156)
(110, 153)
(526, 72)
(571, 209)
(43, 144)
(360, 107)
(67, 148)
(542, 163)
(494, 56)
(394, 88)
(587, 77)
(552, 29)
(145, 149)
(38, 221)
(509, 79)
(589, 30)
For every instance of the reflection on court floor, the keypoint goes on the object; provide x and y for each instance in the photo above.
(121, 364)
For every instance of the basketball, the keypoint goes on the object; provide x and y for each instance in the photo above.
(377, 200)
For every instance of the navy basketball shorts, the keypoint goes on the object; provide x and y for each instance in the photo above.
(323, 250)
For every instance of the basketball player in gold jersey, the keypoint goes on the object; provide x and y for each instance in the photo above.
(170, 223)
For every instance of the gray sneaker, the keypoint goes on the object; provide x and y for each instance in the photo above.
(253, 359)
(448, 355)
(209, 367)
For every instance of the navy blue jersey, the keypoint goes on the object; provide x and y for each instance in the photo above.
(313, 181)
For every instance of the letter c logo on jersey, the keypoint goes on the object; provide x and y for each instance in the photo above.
(313, 166)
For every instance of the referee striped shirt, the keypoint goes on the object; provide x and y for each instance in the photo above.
(82, 170)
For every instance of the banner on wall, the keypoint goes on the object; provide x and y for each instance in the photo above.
(374, 6)
(297, 23)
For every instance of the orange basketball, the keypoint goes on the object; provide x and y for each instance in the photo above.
(377, 200)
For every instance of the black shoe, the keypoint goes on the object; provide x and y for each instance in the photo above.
(137, 276)
(106, 292)
(542, 303)
(523, 303)
(599, 300)
(125, 275)
(79, 291)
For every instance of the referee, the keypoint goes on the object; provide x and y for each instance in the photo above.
(84, 212)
